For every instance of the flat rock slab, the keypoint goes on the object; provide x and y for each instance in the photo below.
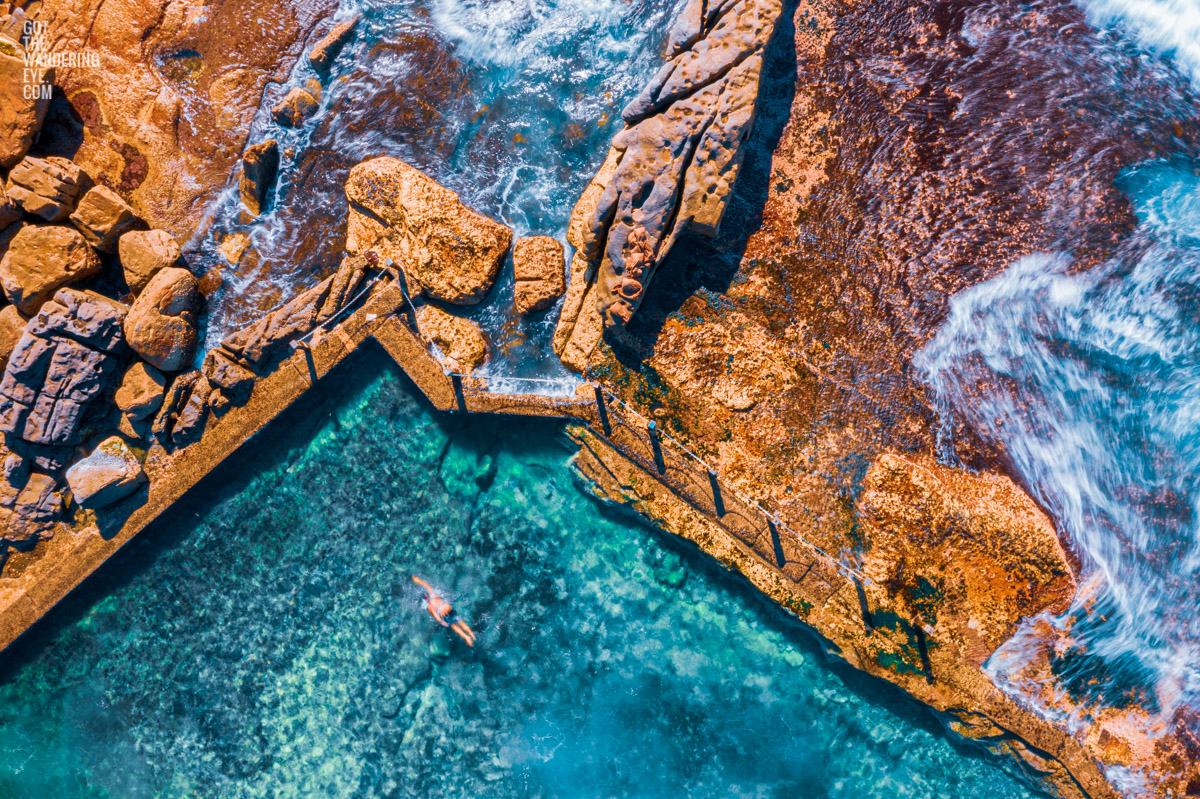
(447, 251)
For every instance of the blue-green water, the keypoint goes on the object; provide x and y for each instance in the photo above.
(268, 641)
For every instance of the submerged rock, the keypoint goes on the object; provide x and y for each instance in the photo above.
(40, 260)
(539, 271)
(463, 346)
(102, 217)
(259, 167)
(161, 326)
(49, 188)
(144, 253)
(109, 474)
(447, 251)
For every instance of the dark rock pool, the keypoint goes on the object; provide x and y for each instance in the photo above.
(268, 641)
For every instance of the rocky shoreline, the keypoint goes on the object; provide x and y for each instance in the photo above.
(783, 363)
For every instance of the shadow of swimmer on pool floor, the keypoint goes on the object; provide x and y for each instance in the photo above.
(443, 612)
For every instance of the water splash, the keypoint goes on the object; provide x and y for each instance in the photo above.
(1091, 382)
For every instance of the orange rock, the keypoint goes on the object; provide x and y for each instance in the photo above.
(539, 272)
(447, 251)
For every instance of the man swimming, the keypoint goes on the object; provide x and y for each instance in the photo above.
(443, 612)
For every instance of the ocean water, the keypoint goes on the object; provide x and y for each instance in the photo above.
(267, 641)
(1091, 381)
(510, 103)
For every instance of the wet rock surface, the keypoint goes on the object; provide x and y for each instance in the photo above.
(297, 106)
(41, 259)
(166, 116)
(461, 342)
(259, 167)
(783, 353)
(322, 56)
(447, 251)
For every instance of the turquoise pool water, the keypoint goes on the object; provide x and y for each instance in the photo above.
(268, 642)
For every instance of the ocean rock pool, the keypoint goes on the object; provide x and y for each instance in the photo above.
(268, 641)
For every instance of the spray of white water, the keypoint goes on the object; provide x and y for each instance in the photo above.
(1091, 382)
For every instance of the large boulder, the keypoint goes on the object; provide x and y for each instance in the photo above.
(141, 392)
(109, 474)
(447, 251)
(102, 217)
(21, 115)
(61, 363)
(12, 325)
(539, 269)
(47, 187)
(161, 326)
(143, 253)
(42, 259)
(326, 50)
(259, 167)
(462, 345)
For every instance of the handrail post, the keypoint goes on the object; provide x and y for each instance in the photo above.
(652, 429)
(780, 558)
(459, 397)
(718, 502)
(862, 605)
(603, 411)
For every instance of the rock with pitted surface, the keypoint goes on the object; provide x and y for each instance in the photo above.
(260, 165)
(673, 167)
(109, 474)
(141, 391)
(161, 326)
(85, 316)
(327, 49)
(297, 106)
(462, 344)
(103, 217)
(62, 362)
(143, 253)
(41, 259)
(539, 271)
(22, 111)
(447, 251)
(12, 325)
(49, 188)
